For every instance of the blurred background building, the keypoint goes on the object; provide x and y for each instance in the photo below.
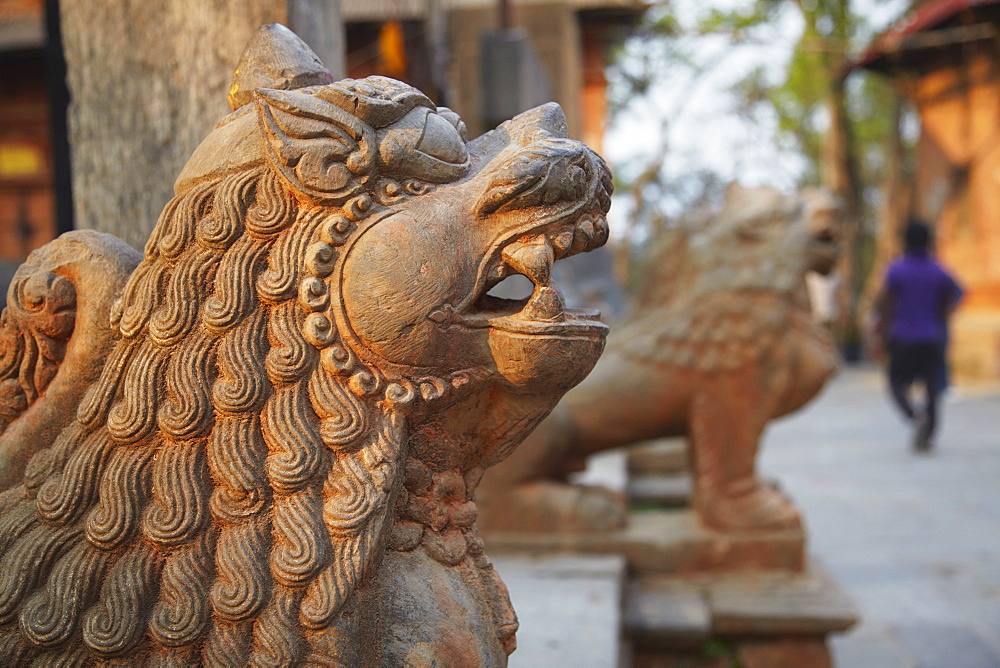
(133, 87)
(491, 60)
(28, 215)
(945, 58)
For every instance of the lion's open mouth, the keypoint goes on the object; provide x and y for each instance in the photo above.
(532, 255)
(823, 251)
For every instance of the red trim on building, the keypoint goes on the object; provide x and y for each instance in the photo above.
(926, 17)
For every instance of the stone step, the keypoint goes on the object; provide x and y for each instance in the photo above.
(569, 608)
(668, 541)
(664, 490)
(667, 613)
(768, 618)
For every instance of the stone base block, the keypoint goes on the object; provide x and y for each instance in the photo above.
(756, 619)
(669, 541)
(784, 653)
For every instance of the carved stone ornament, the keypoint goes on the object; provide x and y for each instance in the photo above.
(719, 342)
(270, 456)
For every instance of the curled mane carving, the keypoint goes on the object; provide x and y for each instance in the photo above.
(217, 466)
(272, 453)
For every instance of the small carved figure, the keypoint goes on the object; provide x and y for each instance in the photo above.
(714, 349)
(304, 380)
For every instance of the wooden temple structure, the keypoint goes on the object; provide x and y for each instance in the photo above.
(945, 58)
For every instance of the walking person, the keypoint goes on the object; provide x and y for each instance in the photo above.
(916, 301)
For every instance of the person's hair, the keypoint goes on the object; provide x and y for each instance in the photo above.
(917, 235)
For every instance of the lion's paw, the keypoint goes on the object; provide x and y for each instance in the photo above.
(756, 507)
(557, 507)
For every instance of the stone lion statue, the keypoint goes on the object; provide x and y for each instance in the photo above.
(269, 456)
(720, 341)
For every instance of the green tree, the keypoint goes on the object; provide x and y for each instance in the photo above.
(846, 129)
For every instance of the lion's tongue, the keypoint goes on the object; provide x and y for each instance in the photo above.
(545, 304)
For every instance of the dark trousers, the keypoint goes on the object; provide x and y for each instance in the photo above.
(916, 363)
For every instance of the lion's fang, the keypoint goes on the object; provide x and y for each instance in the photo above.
(531, 256)
(545, 304)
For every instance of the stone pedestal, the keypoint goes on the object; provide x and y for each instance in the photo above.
(670, 541)
(760, 619)
(698, 596)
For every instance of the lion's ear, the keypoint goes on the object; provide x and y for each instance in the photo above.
(322, 151)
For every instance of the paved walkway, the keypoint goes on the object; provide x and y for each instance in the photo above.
(569, 607)
(914, 539)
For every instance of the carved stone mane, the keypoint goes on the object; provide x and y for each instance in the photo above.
(237, 471)
(723, 285)
(226, 412)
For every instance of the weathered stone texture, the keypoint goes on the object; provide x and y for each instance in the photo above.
(304, 380)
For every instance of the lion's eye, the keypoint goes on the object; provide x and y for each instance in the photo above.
(750, 232)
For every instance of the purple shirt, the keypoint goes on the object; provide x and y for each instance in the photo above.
(922, 296)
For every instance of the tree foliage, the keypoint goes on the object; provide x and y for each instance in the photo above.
(838, 126)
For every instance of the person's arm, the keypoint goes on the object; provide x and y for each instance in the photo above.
(884, 309)
(955, 293)
(950, 296)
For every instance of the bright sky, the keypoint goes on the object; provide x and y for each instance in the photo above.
(695, 117)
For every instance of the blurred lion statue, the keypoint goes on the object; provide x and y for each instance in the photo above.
(720, 341)
(269, 456)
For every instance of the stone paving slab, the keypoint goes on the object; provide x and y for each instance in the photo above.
(941, 645)
(914, 539)
(569, 608)
(780, 604)
(666, 490)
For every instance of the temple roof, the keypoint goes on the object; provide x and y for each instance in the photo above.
(932, 25)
